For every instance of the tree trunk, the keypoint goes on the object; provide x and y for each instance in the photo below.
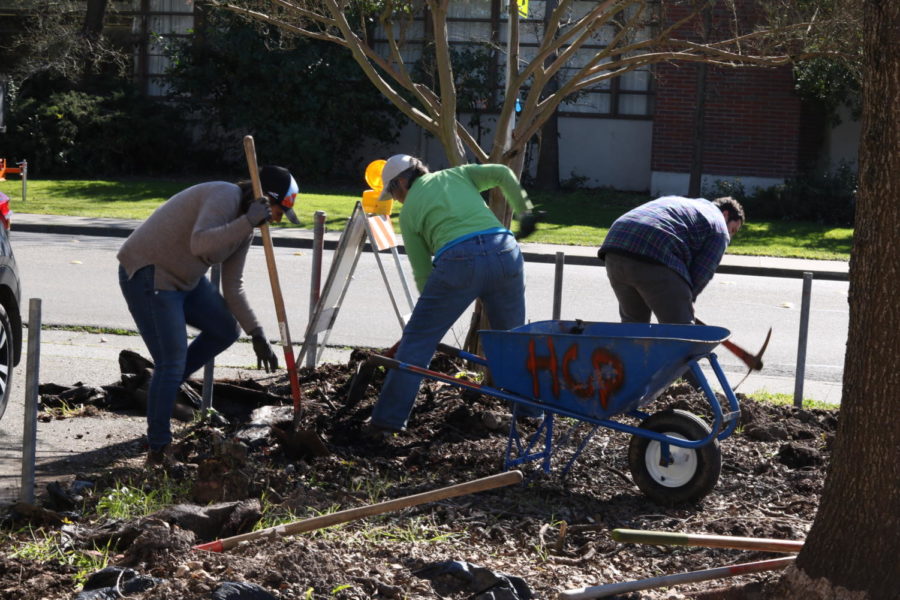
(696, 177)
(93, 18)
(697, 143)
(854, 542)
(547, 176)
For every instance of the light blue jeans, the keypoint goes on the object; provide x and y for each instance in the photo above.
(489, 267)
(162, 317)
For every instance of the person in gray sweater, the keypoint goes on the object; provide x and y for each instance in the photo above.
(162, 268)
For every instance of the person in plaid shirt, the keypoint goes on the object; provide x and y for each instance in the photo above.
(660, 255)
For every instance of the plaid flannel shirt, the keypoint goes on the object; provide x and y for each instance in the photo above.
(687, 235)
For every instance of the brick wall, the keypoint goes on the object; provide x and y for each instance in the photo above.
(755, 125)
(751, 127)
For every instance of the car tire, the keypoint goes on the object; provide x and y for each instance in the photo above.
(7, 359)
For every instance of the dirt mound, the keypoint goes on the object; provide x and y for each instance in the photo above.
(531, 540)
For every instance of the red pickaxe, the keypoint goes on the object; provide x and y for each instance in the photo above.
(753, 361)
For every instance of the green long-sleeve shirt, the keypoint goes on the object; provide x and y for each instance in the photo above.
(444, 206)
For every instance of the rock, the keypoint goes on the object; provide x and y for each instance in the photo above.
(37, 515)
(495, 421)
(766, 432)
(224, 519)
(797, 456)
(157, 538)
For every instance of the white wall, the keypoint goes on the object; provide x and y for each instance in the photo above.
(608, 152)
(843, 140)
(676, 184)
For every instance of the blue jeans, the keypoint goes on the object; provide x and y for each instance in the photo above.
(162, 317)
(489, 267)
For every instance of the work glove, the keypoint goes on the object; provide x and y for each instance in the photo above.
(265, 356)
(528, 223)
(259, 212)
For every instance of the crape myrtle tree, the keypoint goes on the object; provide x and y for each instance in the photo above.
(633, 34)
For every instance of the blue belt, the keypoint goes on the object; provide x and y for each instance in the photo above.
(469, 236)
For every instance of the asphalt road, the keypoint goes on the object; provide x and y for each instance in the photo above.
(75, 279)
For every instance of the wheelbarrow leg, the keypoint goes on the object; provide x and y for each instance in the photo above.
(580, 448)
(524, 453)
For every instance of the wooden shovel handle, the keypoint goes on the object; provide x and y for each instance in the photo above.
(280, 314)
(352, 514)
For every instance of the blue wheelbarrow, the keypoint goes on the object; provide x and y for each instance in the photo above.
(598, 373)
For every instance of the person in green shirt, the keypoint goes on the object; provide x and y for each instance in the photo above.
(459, 252)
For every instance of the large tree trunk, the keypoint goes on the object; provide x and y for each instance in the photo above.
(854, 542)
(93, 18)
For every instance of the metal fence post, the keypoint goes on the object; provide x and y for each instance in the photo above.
(315, 281)
(32, 377)
(801, 342)
(557, 284)
(24, 166)
(209, 368)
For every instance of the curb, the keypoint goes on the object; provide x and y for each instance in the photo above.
(282, 240)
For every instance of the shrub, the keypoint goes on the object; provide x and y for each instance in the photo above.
(828, 197)
(305, 101)
(108, 132)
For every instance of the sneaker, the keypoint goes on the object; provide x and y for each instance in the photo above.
(163, 457)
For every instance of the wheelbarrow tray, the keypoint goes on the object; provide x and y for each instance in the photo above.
(593, 369)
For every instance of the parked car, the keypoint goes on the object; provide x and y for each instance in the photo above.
(10, 314)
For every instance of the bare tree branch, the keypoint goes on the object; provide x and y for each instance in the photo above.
(636, 37)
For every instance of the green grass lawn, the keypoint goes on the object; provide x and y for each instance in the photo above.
(579, 218)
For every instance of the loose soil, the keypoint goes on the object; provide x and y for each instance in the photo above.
(530, 540)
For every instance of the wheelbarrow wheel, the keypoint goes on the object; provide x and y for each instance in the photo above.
(693, 473)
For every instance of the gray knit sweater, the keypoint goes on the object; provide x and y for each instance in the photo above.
(198, 227)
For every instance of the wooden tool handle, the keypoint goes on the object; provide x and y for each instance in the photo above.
(280, 313)
(352, 514)
(250, 153)
(665, 538)
(614, 589)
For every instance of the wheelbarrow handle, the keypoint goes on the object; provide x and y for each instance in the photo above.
(457, 353)
(366, 369)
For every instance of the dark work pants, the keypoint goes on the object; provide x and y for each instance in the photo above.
(642, 288)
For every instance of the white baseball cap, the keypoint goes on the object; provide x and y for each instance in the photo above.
(393, 167)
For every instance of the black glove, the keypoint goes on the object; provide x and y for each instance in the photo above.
(259, 212)
(528, 222)
(265, 356)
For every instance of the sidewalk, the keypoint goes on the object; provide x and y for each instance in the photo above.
(291, 237)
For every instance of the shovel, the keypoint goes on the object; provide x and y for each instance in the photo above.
(491, 482)
(297, 438)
